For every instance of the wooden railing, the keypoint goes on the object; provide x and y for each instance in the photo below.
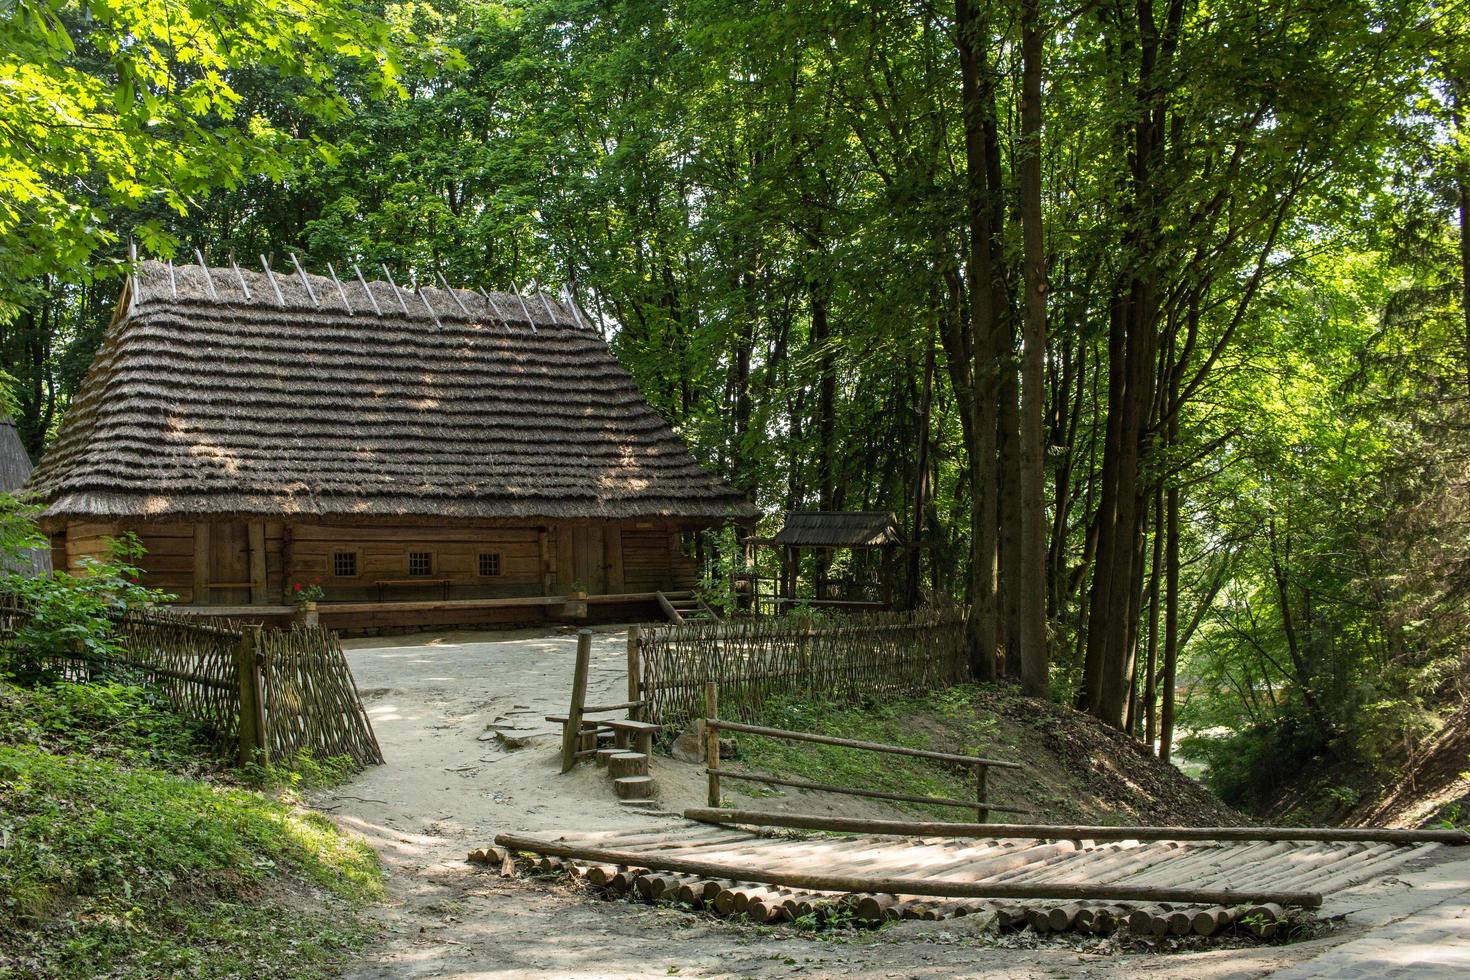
(713, 725)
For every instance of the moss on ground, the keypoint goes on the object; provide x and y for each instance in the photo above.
(124, 850)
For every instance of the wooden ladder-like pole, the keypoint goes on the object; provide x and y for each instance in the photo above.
(635, 678)
(712, 741)
(252, 731)
(571, 733)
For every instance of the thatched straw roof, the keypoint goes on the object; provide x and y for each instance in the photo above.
(239, 394)
(838, 529)
(15, 467)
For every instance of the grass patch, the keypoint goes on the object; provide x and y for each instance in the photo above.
(958, 728)
(123, 851)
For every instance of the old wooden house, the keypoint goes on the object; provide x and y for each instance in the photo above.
(424, 456)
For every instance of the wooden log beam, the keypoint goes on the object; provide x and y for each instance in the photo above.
(816, 881)
(873, 794)
(572, 729)
(910, 828)
(852, 743)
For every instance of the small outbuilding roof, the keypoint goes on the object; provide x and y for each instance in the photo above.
(15, 467)
(838, 529)
(222, 392)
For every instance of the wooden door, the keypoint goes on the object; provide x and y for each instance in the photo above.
(588, 564)
(229, 564)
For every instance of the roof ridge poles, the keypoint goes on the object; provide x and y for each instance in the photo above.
(549, 315)
(396, 292)
(240, 276)
(571, 301)
(173, 281)
(498, 315)
(305, 281)
(280, 300)
(454, 295)
(371, 298)
(133, 272)
(340, 291)
(425, 298)
(524, 308)
(208, 279)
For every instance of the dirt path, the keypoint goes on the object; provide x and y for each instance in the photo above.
(444, 791)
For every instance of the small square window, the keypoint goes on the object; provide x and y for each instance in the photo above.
(420, 563)
(489, 563)
(344, 564)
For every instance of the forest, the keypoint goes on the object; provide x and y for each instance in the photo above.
(1150, 320)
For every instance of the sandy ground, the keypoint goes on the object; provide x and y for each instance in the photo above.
(449, 786)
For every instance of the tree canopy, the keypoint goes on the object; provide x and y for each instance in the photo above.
(1151, 320)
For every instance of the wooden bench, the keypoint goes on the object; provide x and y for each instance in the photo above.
(627, 729)
(442, 582)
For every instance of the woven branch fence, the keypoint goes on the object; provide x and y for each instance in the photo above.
(310, 699)
(858, 657)
(298, 691)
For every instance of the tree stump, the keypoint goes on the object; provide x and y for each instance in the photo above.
(621, 764)
(633, 787)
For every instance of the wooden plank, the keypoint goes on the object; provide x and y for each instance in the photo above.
(857, 884)
(427, 534)
(565, 570)
(909, 828)
(866, 793)
(712, 741)
(571, 733)
(851, 743)
(547, 567)
(257, 563)
(612, 549)
(201, 562)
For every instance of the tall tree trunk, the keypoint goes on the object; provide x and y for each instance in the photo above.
(826, 426)
(1008, 506)
(977, 98)
(1171, 589)
(1150, 681)
(1462, 192)
(921, 483)
(1031, 584)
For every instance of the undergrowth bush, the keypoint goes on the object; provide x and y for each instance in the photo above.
(116, 854)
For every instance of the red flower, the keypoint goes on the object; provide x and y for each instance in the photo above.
(133, 579)
(298, 586)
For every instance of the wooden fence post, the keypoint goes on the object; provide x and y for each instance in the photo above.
(571, 735)
(635, 667)
(981, 811)
(712, 741)
(252, 731)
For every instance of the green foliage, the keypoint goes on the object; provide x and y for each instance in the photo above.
(110, 721)
(72, 614)
(117, 860)
(137, 106)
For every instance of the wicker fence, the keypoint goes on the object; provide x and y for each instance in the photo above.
(295, 687)
(858, 657)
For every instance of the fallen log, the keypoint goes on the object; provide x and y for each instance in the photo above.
(816, 881)
(907, 828)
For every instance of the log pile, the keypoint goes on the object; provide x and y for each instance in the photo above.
(1095, 880)
(764, 904)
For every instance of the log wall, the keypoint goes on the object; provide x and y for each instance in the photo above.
(256, 562)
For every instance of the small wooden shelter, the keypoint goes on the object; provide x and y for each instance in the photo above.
(823, 531)
(425, 456)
